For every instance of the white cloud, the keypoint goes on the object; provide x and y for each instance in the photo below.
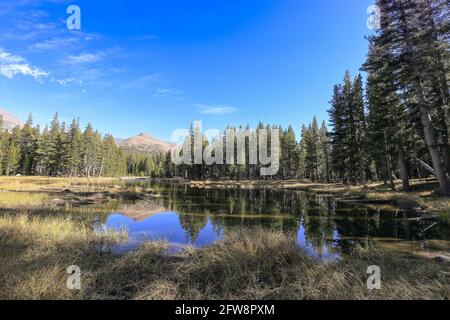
(12, 65)
(218, 110)
(88, 57)
(53, 43)
(164, 92)
(67, 81)
(85, 58)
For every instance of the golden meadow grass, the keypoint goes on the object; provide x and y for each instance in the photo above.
(17, 199)
(52, 183)
(37, 250)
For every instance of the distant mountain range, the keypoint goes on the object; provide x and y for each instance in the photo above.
(143, 142)
(9, 120)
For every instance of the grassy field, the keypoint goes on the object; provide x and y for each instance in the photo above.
(37, 245)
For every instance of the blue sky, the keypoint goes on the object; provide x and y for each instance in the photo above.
(159, 65)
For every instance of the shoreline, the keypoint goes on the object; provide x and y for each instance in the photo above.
(423, 197)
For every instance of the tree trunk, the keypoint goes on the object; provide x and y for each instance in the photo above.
(388, 163)
(431, 140)
(403, 168)
(101, 168)
(389, 172)
(419, 175)
(445, 137)
(327, 167)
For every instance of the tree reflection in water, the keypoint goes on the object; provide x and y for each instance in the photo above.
(320, 224)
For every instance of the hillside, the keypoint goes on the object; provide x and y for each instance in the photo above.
(9, 120)
(144, 142)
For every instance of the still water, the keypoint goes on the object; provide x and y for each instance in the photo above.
(323, 226)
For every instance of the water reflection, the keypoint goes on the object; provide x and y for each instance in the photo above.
(163, 226)
(322, 226)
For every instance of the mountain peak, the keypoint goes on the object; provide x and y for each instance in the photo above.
(145, 142)
(9, 120)
(145, 135)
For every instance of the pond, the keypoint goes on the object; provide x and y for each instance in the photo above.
(323, 226)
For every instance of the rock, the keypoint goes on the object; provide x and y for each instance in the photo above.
(58, 202)
(91, 198)
(84, 202)
(132, 196)
(442, 258)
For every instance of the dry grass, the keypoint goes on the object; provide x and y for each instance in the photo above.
(261, 265)
(401, 200)
(35, 192)
(19, 199)
(258, 264)
(36, 251)
(51, 183)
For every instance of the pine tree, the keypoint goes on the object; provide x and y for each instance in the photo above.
(74, 145)
(390, 132)
(302, 152)
(338, 135)
(432, 33)
(11, 159)
(290, 155)
(91, 152)
(359, 142)
(400, 30)
(52, 149)
(325, 152)
(27, 147)
(348, 137)
(112, 162)
(312, 151)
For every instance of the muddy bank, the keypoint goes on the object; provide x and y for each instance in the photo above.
(69, 196)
